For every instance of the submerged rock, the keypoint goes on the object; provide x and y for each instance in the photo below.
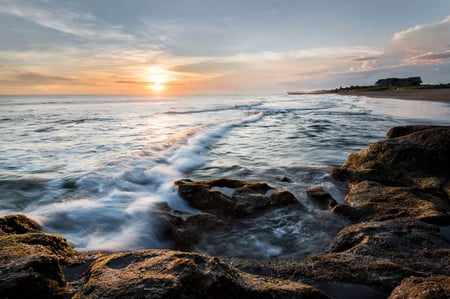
(175, 274)
(30, 260)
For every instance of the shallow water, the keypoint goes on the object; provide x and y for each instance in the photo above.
(92, 167)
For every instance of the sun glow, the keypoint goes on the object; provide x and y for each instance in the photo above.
(158, 78)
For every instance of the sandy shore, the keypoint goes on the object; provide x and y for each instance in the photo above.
(441, 95)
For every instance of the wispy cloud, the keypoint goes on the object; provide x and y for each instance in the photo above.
(32, 79)
(431, 57)
(81, 24)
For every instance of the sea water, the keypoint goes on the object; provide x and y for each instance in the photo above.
(91, 168)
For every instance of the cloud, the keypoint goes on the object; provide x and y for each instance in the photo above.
(33, 79)
(80, 24)
(364, 58)
(431, 57)
(422, 43)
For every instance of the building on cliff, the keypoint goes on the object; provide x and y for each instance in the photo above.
(389, 82)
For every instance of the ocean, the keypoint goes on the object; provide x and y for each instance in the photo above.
(92, 167)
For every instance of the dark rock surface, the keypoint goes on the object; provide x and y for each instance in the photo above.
(175, 274)
(321, 197)
(30, 260)
(436, 286)
(402, 161)
(233, 198)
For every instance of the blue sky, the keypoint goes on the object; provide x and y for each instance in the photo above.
(194, 46)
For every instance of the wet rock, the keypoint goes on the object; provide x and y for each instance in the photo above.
(399, 161)
(399, 188)
(175, 274)
(379, 254)
(30, 260)
(321, 197)
(184, 230)
(349, 212)
(17, 224)
(284, 179)
(379, 202)
(282, 198)
(436, 286)
(406, 130)
(234, 198)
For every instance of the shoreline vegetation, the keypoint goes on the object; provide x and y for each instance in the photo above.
(396, 243)
(424, 92)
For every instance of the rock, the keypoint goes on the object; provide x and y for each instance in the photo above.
(321, 197)
(30, 260)
(348, 212)
(17, 224)
(399, 188)
(229, 197)
(175, 274)
(379, 254)
(378, 202)
(282, 198)
(284, 179)
(399, 161)
(406, 130)
(184, 230)
(436, 286)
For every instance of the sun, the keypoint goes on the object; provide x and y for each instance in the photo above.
(157, 87)
(158, 78)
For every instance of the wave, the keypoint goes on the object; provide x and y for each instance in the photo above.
(85, 120)
(217, 108)
(112, 210)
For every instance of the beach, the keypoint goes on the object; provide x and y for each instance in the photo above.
(438, 94)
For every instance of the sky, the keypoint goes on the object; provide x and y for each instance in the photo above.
(227, 47)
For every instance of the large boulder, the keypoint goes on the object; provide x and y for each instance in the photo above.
(379, 254)
(401, 160)
(30, 260)
(233, 198)
(379, 202)
(436, 286)
(175, 274)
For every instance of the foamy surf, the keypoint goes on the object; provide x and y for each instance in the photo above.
(93, 168)
(114, 214)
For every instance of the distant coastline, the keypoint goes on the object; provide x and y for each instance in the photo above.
(439, 92)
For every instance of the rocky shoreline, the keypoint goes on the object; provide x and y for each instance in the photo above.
(396, 245)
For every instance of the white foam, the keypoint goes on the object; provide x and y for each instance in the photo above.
(114, 213)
